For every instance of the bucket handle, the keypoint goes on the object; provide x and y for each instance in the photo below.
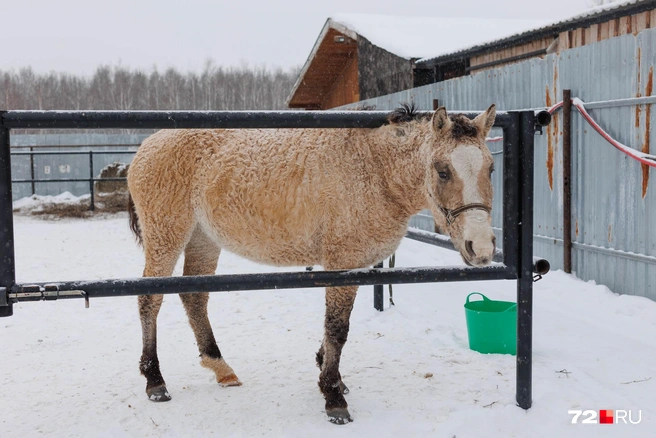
(513, 307)
(477, 293)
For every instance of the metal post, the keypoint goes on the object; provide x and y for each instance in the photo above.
(91, 205)
(567, 181)
(511, 179)
(525, 262)
(32, 170)
(7, 267)
(436, 104)
(378, 293)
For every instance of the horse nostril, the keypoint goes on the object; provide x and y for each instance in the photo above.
(469, 246)
(494, 241)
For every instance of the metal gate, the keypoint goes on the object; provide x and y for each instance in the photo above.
(517, 259)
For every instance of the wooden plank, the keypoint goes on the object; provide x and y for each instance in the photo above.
(563, 41)
(641, 22)
(594, 34)
(625, 26)
(604, 33)
(614, 28)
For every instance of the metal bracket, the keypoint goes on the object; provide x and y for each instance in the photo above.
(48, 292)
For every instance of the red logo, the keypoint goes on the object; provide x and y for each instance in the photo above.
(606, 416)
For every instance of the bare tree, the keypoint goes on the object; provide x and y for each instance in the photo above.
(121, 88)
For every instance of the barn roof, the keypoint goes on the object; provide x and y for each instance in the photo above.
(422, 37)
(406, 37)
(594, 15)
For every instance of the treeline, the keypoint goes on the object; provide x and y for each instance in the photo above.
(121, 88)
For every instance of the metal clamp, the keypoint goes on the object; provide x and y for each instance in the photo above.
(48, 292)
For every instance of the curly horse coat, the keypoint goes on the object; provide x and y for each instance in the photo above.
(340, 198)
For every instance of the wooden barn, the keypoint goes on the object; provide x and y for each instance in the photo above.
(357, 56)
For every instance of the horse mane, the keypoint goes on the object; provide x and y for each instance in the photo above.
(461, 126)
(407, 113)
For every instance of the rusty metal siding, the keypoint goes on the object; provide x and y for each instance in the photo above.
(613, 197)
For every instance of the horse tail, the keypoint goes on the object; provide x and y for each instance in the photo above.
(134, 220)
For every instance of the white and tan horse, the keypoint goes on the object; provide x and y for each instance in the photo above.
(340, 198)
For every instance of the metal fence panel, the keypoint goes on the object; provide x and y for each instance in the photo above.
(65, 166)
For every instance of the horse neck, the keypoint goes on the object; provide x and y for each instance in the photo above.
(399, 166)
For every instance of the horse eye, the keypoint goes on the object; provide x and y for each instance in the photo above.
(443, 175)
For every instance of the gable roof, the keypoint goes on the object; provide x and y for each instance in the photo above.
(406, 37)
(423, 37)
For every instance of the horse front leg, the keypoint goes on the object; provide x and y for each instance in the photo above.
(339, 303)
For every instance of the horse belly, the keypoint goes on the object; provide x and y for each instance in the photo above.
(260, 238)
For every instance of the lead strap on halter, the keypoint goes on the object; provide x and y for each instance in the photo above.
(451, 215)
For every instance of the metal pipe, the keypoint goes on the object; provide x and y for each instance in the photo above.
(204, 119)
(511, 177)
(542, 117)
(567, 181)
(92, 205)
(68, 180)
(31, 152)
(540, 265)
(631, 101)
(282, 280)
(525, 261)
(72, 152)
(7, 261)
(379, 292)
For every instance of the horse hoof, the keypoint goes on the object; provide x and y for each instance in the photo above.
(230, 380)
(343, 388)
(158, 394)
(339, 416)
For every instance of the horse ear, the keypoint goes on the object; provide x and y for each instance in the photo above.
(485, 120)
(441, 121)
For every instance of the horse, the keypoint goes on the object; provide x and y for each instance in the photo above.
(339, 198)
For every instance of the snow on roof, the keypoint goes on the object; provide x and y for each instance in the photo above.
(491, 40)
(422, 37)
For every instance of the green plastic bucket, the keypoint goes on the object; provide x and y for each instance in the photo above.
(491, 325)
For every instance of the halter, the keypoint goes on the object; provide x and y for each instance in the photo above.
(451, 215)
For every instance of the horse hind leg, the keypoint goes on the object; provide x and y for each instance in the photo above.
(163, 240)
(339, 303)
(201, 257)
(342, 386)
(149, 306)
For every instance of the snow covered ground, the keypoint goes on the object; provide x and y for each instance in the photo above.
(72, 372)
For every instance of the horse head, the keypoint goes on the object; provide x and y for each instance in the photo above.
(458, 181)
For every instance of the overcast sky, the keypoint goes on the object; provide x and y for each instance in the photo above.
(78, 35)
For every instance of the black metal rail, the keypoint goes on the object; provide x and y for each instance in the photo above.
(518, 129)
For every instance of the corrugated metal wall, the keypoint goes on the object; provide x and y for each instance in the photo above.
(614, 202)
